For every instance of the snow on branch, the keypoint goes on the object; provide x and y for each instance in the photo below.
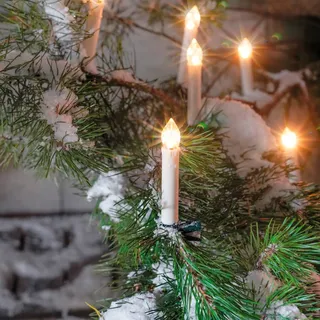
(16, 63)
(54, 102)
(57, 106)
(246, 140)
(141, 305)
(110, 187)
(246, 143)
(61, 21)
(136, 307)
(24, 63)
(57, 11)
(285, 81)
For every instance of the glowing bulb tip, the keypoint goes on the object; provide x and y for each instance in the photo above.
(245, 49)
(171, 135)
(194, 53)
(289, 139)
(193, 18)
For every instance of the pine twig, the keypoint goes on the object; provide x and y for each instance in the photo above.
(140, 86)
(134, 24)
(267, 108)
(216, 78)
(267, 253)
(196, 280)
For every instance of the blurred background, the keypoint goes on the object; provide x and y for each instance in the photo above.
(49, 243)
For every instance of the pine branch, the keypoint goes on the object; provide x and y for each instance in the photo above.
(169, 305)
(289, 251)
(131, 23)
(280, 94)
(215, 79)
(205, 282)
(136, 85)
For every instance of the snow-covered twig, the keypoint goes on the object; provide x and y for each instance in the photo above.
(286, 81)
(62, 22)
(264, 283)
(110, 187)
(55, 101)
(140, 305)
(24, 63)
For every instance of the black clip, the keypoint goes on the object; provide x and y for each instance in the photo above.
(191, 230)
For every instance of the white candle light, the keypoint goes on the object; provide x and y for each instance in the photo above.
(194, 55)
(93, 23)
(245, 53)
(192, 23)
(170, 173)
(289, 141)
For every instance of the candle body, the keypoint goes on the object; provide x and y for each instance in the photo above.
(187, 38)
(90, 44)
(194, 93)
(170, 186)
(246, 76)
(293, 161)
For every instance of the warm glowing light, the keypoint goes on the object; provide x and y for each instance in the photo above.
(289, 139)
(194, 53)
(193, 18)
(245, 49)
(171, 135)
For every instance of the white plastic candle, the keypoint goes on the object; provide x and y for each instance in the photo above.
(289, 141)
(192, 23)
(245, 54)
(93, 23)
(170, 173)
(194, 55)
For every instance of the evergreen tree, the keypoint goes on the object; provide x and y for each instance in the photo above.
(256, 253)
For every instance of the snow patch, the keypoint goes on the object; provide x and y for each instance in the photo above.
(133, 308)
(265, 284)
(107, 184)
(16, 63)
(280, 187)
(246, 142)
(64, 130)
(61, 19)
(256, 96)
(110, 206)
(53, 70)
(57, 11)
(55, 101)
(106, 228)
(111, 187)
(163, 231)
(287, 79)
(139, 306)
(279, 311)
(247, 139)
(59, 100)
(262, 283)
(164, 272)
